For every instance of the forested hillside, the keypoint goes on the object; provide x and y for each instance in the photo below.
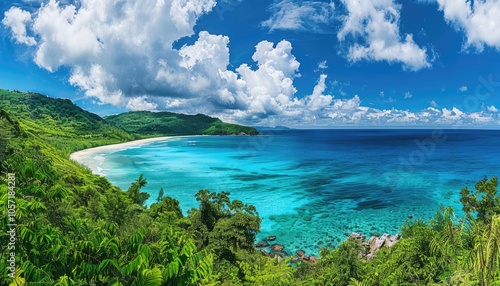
(60, 122)
(71, 227)
(75, 228)
(145, 123)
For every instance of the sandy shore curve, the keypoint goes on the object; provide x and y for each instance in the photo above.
(78, 155)
(94, 157)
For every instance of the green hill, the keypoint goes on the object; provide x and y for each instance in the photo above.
(60, 122)
(147, 124)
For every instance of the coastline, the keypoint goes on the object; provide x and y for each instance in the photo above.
(115, 147)
(79, 156)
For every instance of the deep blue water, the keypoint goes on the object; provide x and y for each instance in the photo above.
(314, 187)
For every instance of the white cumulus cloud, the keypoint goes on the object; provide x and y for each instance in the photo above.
(463, 88)
(16, 19)
(454, 113)
(492, 108)
(373, 26)
(115, 49)
(243, 94)
(141, 103)
(318, 100)
(479, 20)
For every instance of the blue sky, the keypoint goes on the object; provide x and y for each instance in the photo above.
(340, 63)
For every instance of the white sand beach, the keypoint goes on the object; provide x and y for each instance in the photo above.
(116, 147)
(93, 157)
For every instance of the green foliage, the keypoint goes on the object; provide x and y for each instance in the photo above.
(8, 129)
(185, 265)
(147, 124)
(483, 258)
(168, 206)
(231, 224)
(484, 201)
(227, 228)
(336, 267)
(407, 263)
(134, 192)
(267, 271)
(117, 203)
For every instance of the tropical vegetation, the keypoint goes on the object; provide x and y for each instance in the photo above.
(76, 228)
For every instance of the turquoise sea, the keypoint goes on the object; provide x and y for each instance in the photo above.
(312, 188)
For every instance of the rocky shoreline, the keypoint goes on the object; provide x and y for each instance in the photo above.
(373, 244)
(368, 251)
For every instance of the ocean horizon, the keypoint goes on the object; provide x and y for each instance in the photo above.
(312, 188)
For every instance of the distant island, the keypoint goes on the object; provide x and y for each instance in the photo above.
(275, 128)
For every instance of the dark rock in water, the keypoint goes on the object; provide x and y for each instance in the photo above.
(410, 216)
(265, 253)
(262, 244)
(313, 259)
(301, 253)
(271, 238)
(305, 257)
(277, 247)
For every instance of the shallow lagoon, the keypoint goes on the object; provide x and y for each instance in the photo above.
(314, 187)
